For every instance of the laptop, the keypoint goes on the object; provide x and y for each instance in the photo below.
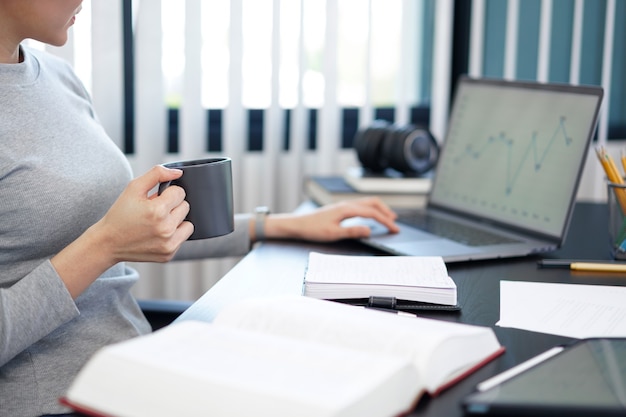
(507, 176)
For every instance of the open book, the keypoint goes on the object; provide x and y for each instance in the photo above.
(413, 278)
(284, 357)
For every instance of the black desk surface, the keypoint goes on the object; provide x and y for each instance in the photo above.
(278, 268)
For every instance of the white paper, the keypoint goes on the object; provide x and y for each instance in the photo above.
(424, 271)
(413, 278)
(572, 310)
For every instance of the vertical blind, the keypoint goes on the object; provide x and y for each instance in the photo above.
(568, 41)
(280, 86)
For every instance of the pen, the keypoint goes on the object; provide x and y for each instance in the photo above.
(598, 267)
(516, 370)
(397, 312)
(590, 266)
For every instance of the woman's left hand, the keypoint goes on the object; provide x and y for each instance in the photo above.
(325, 223)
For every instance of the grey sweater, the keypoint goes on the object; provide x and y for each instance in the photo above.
(59, 173)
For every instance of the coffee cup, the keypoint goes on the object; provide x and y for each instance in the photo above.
(209, 191)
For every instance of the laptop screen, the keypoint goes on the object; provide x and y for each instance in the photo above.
(514, 152)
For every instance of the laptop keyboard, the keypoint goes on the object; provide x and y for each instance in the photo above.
(453, 230)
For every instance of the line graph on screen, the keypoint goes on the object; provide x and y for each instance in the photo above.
(534, 149)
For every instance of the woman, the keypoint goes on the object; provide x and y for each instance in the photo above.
(71, 215)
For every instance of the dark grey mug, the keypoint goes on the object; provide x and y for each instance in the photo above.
(208, 185)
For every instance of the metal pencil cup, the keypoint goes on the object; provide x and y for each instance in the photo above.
(617, 219)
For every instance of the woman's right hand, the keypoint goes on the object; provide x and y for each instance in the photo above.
(138, 227)
(147, 228)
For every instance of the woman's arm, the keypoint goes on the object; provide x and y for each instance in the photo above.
(325, 223)
(32, 308)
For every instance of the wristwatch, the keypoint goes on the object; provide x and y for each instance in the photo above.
(260, 213)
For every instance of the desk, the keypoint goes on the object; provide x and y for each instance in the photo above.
(277, 267)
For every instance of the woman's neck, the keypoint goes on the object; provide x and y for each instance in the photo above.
(10, 54)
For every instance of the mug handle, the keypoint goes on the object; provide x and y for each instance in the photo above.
(163, 186)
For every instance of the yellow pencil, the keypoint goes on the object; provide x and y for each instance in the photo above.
(605, 164)
(616, 174)
(613, 175)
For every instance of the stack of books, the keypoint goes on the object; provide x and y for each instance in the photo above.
(395, 190)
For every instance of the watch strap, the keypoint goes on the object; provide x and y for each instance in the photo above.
(259, 222)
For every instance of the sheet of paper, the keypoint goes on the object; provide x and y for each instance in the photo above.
(571, 310)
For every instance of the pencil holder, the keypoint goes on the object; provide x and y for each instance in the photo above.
(617, 219)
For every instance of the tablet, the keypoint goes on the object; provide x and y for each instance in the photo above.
(586, 378)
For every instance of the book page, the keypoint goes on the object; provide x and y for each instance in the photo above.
(194, 368)
(436, 348)
(426, 271)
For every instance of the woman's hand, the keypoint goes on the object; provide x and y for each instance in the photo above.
(325, 223)
(147, 228)
(138, 227)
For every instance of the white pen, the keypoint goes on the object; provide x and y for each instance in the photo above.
(516, 370)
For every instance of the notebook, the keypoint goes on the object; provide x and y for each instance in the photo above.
(507, 176)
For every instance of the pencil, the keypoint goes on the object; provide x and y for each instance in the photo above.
(609, 166)
(613, 175)
(575, 265)
(616, 174)
(605, 165)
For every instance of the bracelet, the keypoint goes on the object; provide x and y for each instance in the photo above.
(260, 214)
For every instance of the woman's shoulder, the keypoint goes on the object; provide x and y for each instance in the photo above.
(47, 59)
(52, 66)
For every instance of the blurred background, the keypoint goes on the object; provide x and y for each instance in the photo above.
(282, 86)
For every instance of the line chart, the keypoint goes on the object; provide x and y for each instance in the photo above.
(515, 155)
(533, 149)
